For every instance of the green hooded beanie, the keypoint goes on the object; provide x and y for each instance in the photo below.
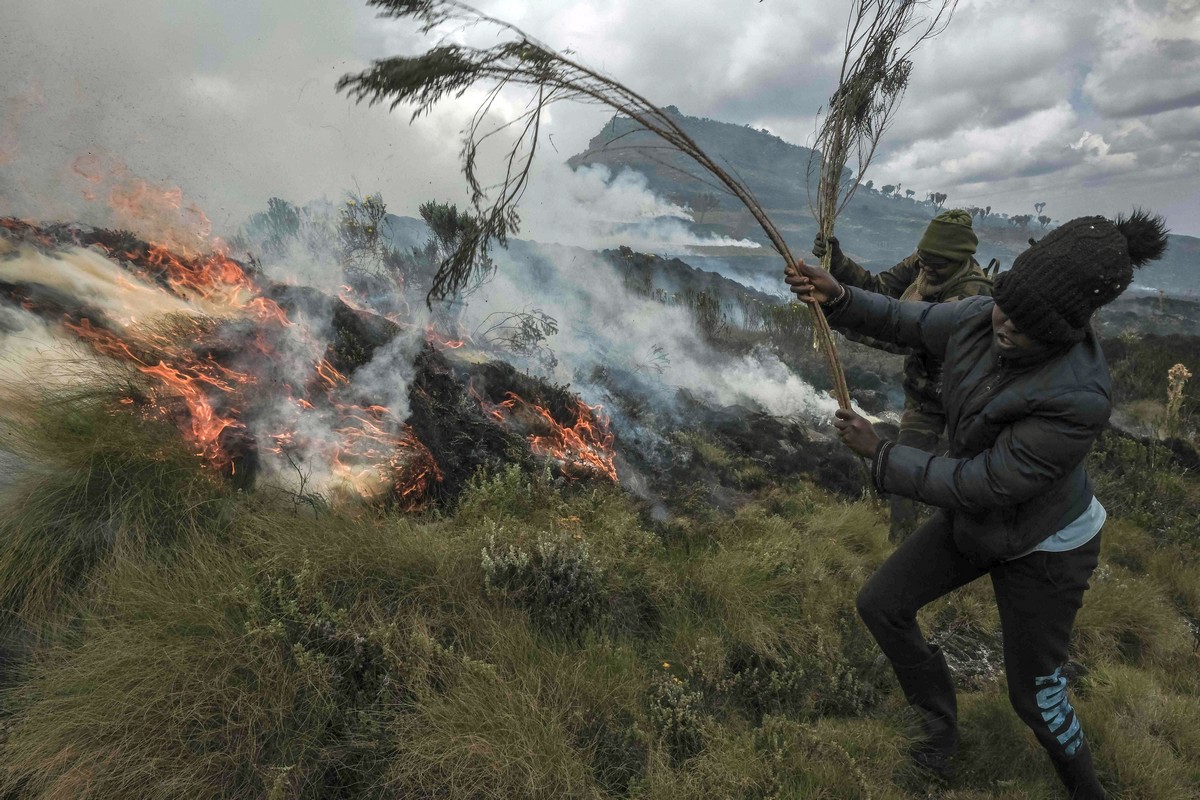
(950, 236)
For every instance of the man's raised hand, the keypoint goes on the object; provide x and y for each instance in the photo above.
(821, 244)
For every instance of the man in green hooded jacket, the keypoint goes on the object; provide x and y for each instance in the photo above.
(943, 269)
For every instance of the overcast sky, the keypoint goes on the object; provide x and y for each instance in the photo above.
(1092, 106)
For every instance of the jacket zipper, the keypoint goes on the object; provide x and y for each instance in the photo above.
(978, 399)
(993, 377)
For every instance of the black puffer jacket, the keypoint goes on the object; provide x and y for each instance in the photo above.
(922, 370)
(1018, 432)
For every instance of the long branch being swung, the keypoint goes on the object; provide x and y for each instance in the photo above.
(444, 69)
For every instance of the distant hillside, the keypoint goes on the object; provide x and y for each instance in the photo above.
(875, 229)
(1179, 270)
(671, 275)
(773, 168)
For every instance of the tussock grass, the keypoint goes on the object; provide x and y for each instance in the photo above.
(489, 738)
(1128, 618)
(156, 686)
(238, 651)
(1178, 571)
(97, 484)
(1145, 733)
(998, 753)
(529, 721)
(784, 758)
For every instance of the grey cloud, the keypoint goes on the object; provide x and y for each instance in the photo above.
(1044, 161)
(1177, 130)
(1178, 49)
(231, 102)
(1129, 106)
(1162, 77)
(982, 71)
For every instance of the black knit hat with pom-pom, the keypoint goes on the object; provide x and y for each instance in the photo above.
(1055, 285)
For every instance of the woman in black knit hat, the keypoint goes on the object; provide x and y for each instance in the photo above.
(1026, 391)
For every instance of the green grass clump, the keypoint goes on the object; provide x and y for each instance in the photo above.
(97, 484)
(546, 641)
(494, 735)
(998, 753)
(1128, 618)
(1145, 731)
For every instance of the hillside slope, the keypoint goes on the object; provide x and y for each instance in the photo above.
(875, 229)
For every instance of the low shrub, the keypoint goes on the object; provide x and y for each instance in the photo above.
(676, 711)
(1139, 481)
(554, 579)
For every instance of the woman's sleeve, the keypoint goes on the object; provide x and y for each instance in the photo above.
(912, 324)
(1028, 456)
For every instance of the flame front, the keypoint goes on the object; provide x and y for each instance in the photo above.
(362, 450)
(583, 448)
(211, 350)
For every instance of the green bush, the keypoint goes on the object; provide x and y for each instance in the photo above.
(1140, 481)
(511, 494)
(555, 580)
(677, 715)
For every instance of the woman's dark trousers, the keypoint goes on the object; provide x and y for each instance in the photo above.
(1038, 596)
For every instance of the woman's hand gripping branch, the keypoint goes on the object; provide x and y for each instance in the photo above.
(856, 432)
(812, 284)
(815, 285)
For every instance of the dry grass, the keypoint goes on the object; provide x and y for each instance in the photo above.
(97, 484)
(231, 650)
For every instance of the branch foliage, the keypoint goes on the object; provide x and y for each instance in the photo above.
(450, 69)
(881, 36)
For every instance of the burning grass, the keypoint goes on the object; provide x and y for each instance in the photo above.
(330, 399)
(540, 633)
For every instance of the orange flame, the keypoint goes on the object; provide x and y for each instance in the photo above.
(267, 310)
(188, 378)
(157, 212)
(377, 462)
(582, 448)
(366, 447)
(328, 373)
(437, 340)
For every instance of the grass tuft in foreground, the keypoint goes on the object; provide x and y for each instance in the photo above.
(92, 483)
(542, 642)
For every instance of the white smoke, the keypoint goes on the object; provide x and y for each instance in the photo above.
(603, 324)
(36, 356)
(94, 280)
(592, 208)
(768, 281)
(311, 257)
